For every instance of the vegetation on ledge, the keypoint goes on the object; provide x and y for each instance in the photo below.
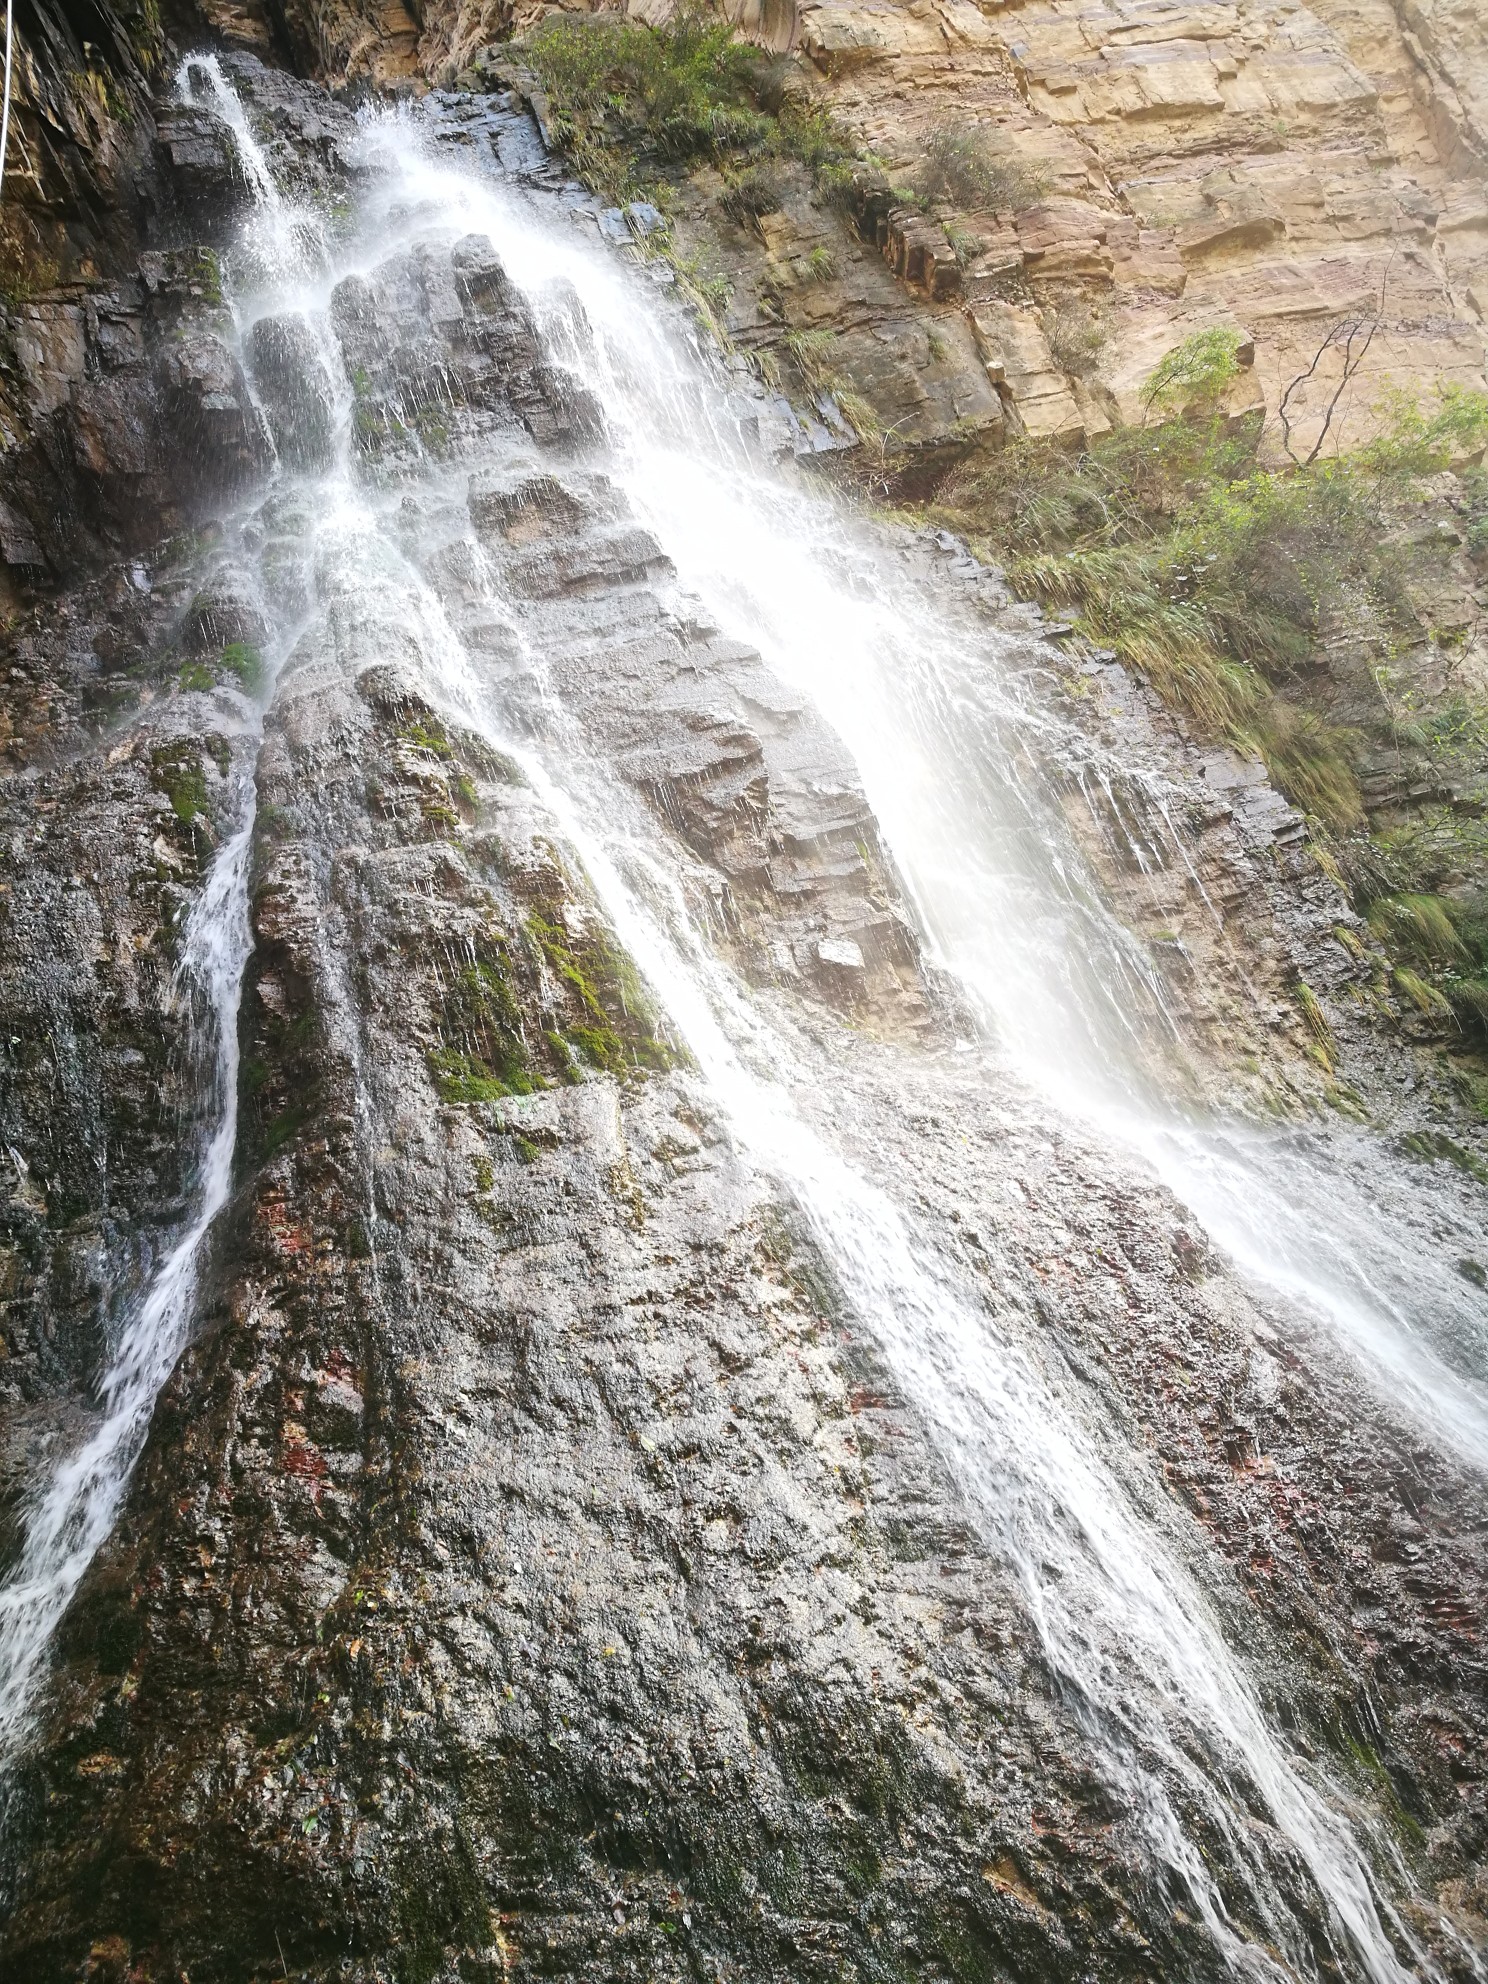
(1216, 576)
(1222, 577)
(595, 1014)
(626, 102)
(1423, 888)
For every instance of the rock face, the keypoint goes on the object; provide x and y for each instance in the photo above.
(125, 732)
(537, 1567)
(1274, 166)
(1270, 165)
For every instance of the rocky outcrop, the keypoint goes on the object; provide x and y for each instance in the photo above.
(452, 1700)
(103, 849)
(535, 1569)
(1267, 164)
(1275, 166)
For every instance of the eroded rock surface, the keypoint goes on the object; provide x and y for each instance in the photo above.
(535, 1568)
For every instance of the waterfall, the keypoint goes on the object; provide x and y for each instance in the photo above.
(1232, 1822)
(946, 741)
(1169, 1710)
(76, 1510)
(1174, 1720)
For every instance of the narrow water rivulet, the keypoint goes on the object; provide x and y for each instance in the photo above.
(1284, 1872)
(76, 1509)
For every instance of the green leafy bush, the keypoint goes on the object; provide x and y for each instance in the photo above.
(1198, 369)
(623, 97)
(617, 86)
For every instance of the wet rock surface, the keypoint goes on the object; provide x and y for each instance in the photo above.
(524, 1569)
(534, 1569)
(1356, 1553)
(125, 746)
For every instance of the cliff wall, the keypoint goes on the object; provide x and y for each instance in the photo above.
(536, 1567)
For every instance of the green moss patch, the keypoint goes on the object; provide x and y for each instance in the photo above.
(1434, 1146)
(425, 732)
(242, 660)
(540, 1007)
(483, 1054)
(178, 772)
(614, 1028)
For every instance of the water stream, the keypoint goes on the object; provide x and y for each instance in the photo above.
(1234, 1824)
(76, 1510)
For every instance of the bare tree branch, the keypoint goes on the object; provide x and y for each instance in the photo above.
(1352, 336)
(1296, 386)
(1361, 328)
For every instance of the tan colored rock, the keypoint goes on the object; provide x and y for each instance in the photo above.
(1449, 38)
(1286, 167)
(1066, 239)
(1015, 351)
(916, 248)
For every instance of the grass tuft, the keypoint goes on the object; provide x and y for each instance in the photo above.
(962, 166)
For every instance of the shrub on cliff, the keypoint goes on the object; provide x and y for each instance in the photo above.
(677, 92)
(960, 165)
(1214, 574)
(622, 95)
(1420, 886)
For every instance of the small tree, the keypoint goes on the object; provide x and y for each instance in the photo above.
(1195, 372)
(1352, 337)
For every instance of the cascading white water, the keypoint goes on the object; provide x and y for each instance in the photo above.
(1127, 1633)
(76, 1511)
(1126, 1630)
(947, 746)
(942, 739)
